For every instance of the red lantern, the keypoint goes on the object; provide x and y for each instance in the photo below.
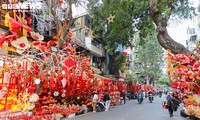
(124, 53)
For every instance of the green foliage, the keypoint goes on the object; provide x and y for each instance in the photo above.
(119, 62)
(132, 16)
(164, 80)
(131, 76)
(120, 31)
(150, 55)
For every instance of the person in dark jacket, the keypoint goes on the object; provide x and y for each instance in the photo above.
(106, 99)
(123, 96)
(170, 103)
(176, 101)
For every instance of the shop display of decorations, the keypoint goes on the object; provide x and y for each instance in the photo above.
(40, 81)
(192, 105)
(184, 73)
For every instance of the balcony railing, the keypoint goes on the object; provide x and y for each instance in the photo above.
(79, 36)
(98, 51)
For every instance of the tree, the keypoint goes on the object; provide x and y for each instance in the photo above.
(146, 16)
(164, 80)
(112, 34)
(150, 57)
(161, 12)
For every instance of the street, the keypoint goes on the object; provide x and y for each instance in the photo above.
(134, 111)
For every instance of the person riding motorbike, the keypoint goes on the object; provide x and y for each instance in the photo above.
(140, 97)
(160, 93)
(150, 95)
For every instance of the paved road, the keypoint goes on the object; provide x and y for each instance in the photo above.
(133, 111)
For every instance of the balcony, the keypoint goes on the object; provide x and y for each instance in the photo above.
(79, 36)
(94, 49)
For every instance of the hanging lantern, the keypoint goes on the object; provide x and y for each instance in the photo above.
(124, 53)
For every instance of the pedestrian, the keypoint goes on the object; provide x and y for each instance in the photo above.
(123, 97)
(94, 100)
(176, 101)
(106, 99)
(170, 103)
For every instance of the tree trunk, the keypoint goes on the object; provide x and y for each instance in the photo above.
(162, 34)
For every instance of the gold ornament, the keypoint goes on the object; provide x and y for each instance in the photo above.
(110, 19)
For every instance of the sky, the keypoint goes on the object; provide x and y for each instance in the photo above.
(178, 30)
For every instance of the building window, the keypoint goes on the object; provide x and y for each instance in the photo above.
(193, 38)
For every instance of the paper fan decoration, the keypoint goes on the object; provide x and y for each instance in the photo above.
(30, 106)
(37, 36)
(21, 44)
(42, 46)
(34, 98)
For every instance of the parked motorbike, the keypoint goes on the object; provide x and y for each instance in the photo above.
(150, 98)
(131, 96)
(100, 106)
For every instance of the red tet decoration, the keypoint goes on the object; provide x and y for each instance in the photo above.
(69, 62)
(124, 53)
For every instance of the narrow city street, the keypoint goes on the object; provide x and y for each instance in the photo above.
(134, 111)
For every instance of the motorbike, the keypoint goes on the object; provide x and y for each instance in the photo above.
(100, 106)
(140, 98)
(160, 95)
(130, 96)
(150, 98)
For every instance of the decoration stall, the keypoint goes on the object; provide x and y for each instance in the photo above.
(39, 81)
(184, 73)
